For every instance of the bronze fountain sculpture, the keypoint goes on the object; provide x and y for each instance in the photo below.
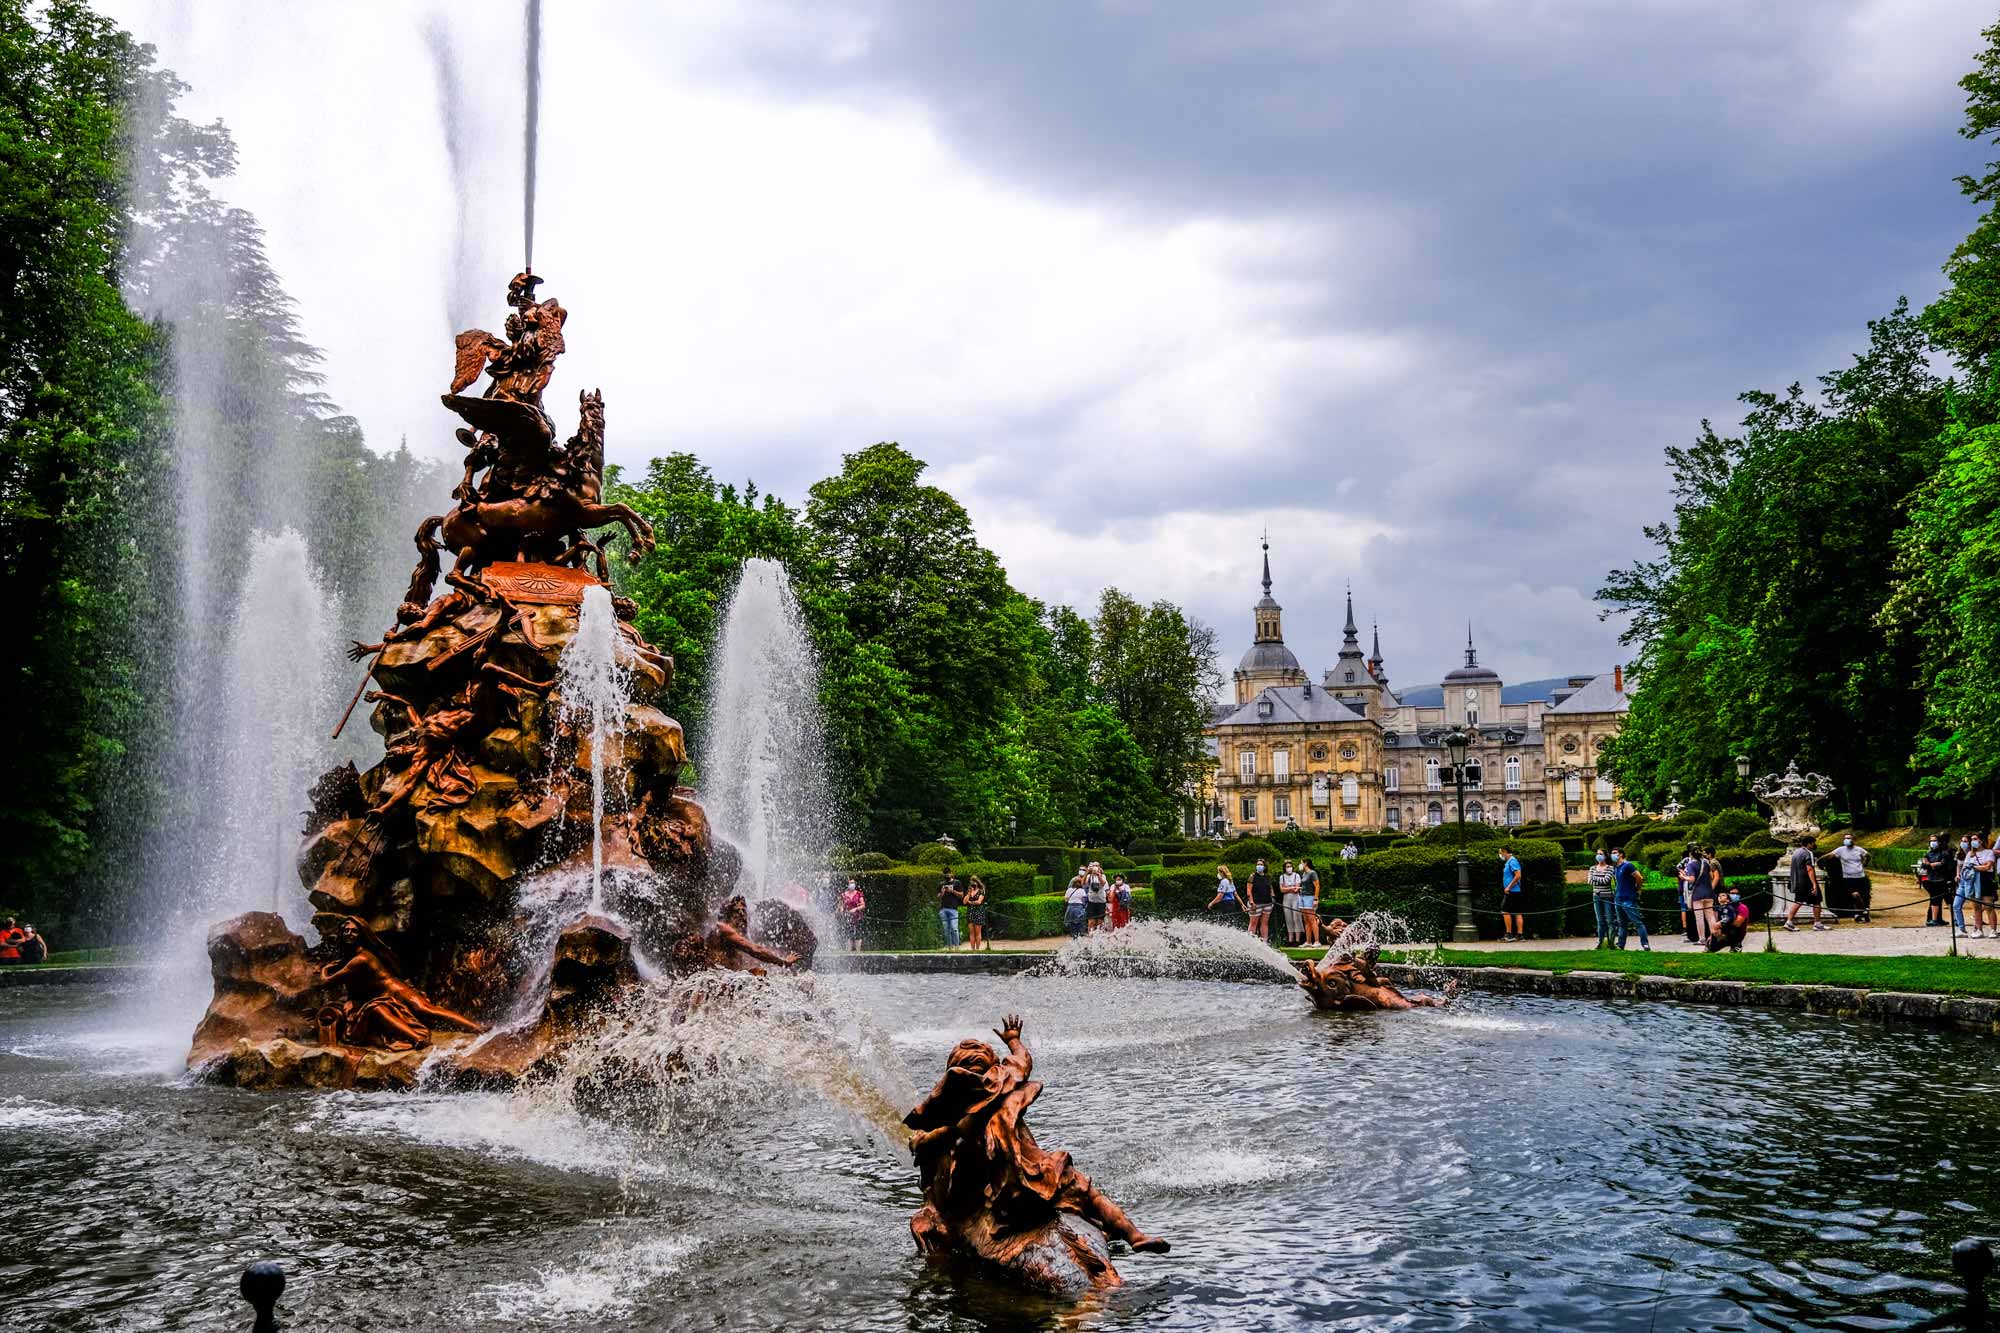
(993, 1193)
(1347, 980)
(413, 867)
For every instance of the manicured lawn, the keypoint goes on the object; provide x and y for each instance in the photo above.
(1941, 976)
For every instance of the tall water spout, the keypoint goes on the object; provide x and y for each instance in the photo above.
(596, 682)
(764, 778)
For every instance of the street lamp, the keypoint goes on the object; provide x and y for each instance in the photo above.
(1742, 768)
(1456, 743)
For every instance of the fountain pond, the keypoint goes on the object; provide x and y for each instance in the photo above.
(1514, 1162)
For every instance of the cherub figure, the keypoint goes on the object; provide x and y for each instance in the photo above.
(729, 944)
(381, 1009)
(987, 1184)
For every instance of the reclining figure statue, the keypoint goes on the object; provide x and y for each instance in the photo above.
(992, 1192)
(1349, 981)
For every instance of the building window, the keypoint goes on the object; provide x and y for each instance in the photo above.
(1350, 789)
(1281, 765)
(1435, 813)
(1604, 789)
(1319, 753)
(1395, 817)
(1539, 808)
(1513, 813)
(1572, 788)
(1475, 773)
(1392, 779)
(1431, 779)
(1246, 762)
(1281, 807)
(1474, 812)
(1514, 774)
(1249, 809)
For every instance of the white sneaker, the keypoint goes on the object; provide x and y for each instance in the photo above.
(1789, 926)
(1818, 926)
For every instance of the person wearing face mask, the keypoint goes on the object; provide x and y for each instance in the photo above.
(1853, 875)
(1260, 901)
(1604, 899)
(1967, 888)
(1984, 914)
(1934, 873)
(1626, 878)
(1732, 923)
(1803, 878)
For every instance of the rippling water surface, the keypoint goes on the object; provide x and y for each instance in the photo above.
(1516, 1162)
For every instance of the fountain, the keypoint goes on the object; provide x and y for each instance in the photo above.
(522, 751)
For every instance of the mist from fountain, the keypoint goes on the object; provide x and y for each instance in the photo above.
(594, 688)
(764, 767)
(1193, 950)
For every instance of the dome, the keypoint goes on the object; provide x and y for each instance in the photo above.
(1268, 657)
(1472, 675)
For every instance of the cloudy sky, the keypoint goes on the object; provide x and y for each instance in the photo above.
(1422, 290)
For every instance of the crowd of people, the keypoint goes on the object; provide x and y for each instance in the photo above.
(1092, 902)
(21, 944)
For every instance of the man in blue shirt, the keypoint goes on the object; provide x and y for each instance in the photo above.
(1513, 923)
(1628, 878)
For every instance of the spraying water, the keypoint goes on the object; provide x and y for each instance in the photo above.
(596, 681)
(462, 297)
(532, 133)
(764, 777)
(1197, 950)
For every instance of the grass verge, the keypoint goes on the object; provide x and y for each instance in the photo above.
(1936, 976)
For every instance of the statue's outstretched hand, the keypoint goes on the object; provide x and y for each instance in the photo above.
(1009, 1029)
(356, 650)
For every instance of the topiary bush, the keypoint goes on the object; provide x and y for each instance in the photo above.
(1291, 842)
(870, 861)
(1142, 850)
(1109, 859)
(1247, 850)
(1733, 828)
(1447, 834)
(933, 854)
(1058, 863)
(1207, 856)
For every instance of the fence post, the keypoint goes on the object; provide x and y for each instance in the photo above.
(263, 1282)
(1972, 1258)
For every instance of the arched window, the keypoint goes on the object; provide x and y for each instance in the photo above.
(1431, 775)
(1513, 772)
(1435, 813)
(1513, 813)
(1474, 812)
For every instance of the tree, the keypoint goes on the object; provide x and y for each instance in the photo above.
(1155, 667)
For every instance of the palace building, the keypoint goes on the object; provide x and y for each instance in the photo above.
(1350, 754)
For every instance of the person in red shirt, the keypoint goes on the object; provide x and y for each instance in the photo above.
(11, 937)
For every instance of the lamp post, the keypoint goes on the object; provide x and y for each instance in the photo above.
(1456, 743)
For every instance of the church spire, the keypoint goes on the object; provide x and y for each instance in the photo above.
(1351, 631)
(1268, 613)
(1267, 564)
(1471, 653)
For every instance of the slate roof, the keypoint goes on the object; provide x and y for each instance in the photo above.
(1600, 696)
(1291, 704)
(1271, 655)
(1432, 696)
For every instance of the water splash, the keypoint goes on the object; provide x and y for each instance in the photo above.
(596, 681)
(531, 134)
(705, 1055)
(764, 771)
(1197, 950)
(462, 296)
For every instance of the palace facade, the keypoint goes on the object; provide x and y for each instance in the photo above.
(1349, 754)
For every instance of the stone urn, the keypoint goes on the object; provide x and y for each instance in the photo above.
(1792, 796)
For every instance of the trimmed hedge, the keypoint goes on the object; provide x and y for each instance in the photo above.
(1733, 828)
(902, 900)
(870, 861)
(1058, 863)
(933, 854)
(1247, 850)
(1210, 857)
(1040, 915)
(1447, 832)
(1420, 885)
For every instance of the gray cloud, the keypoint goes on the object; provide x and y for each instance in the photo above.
(1423, 288)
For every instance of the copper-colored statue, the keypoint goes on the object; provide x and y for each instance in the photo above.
(1348, 981)
(381, 1009)
(730, 945)
(485, 778)
(991, 1191)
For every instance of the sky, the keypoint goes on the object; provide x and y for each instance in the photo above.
(1420, 291)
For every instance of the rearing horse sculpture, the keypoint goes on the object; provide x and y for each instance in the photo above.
(537, 501)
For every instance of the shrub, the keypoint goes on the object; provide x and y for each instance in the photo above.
(1206, 857)
(1420, 884)
(1185, 890)
(902, 900)
(1732, 828)
(1689, 814)
(1247, 850)
(1447, 834)
(1107, 858)
(870, 861)
(1034, 917)
(1291, 842)
(1143, 850)
(933, 854)
(1058, 863)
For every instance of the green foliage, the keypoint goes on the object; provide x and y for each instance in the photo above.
(1182, 891)
(1446, 834)
(870, 861)
(1058, 863)
(1291, 842)
(1732, 828)
(1143, 851)
(1757, 624)
(1247, 850)
(1420, 884)
(932, 854)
